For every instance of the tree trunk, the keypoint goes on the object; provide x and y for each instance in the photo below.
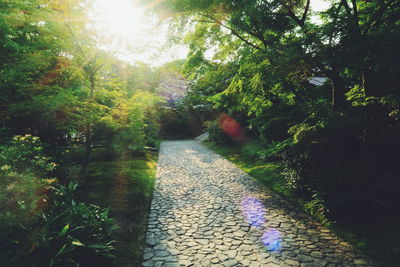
(88, 149)
(88, 132)
(374, 125)
(338, 92)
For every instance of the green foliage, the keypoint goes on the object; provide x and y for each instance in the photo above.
(174, 122)
(73, 232)
(41, 223)
(296, 162)
(129, 204)
(33, 74)
(60, 88)
(251, 150)
(22, 197)
(303, 133)
(317, 207)
(274, 150)
(339, 136)
(275, 129)
(356, 95)
(133, 122)
(24, 154)
(23, 170)
(68, 232)
(216, 134)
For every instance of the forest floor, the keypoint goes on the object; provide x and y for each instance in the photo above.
(206, 211)
(125, 185)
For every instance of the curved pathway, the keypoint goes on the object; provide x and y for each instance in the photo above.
(207, 212)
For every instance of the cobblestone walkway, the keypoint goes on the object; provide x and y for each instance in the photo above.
(207, 212)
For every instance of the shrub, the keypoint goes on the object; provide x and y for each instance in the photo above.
(274, 150)
(297, 165)
(68, 234)
(23, 186)
(73, 232)
(42, 224)
(251, 150)
(23, 192)
(216, 134)
(21, 198)
(317, 207)
(276, 129)
(173, 123)
(24, 153)
(304, 133)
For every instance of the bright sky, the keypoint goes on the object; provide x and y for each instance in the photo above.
(319, 5)
(136, 35)
(139, 36)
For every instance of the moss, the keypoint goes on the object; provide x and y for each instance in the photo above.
(126, 186)
(266, 173)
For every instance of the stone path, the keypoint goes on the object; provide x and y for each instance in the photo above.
(207, 212)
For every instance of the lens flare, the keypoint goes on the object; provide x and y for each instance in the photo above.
(231, 127)
(272, 240)
(255, 215)
(254, 211)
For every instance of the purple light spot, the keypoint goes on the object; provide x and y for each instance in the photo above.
(272, 240)
(253, 211)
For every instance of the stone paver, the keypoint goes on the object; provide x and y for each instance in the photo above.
(207, 212)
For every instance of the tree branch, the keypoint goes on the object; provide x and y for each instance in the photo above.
(234, 32)
(355, 9)
(304, 17)
(376, 16)
(259, 33)
(293, 16)
(346, 6)
(334, 20)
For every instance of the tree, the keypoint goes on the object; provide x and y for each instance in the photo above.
(37, 78)
(263, 54)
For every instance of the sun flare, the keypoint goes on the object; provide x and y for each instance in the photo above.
(119, 17)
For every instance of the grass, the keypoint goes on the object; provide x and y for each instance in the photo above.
(125, 185)
(266, 173)
(378, 236)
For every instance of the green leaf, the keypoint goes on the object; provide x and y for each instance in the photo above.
(72, 186)
(64, 230)
(60, 251)
(78, 243)
(96, 246)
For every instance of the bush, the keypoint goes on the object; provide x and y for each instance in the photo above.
(174, 123)
(73, 233)
(297, 167)
(22, 196)
(23, 186)
(24, 153)
(251, 150)
(304, 133)
(275, 149)
(68, 234)
(325, 160)
(216, 134)
(42, 224)
(276, 129)
(317, 207)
